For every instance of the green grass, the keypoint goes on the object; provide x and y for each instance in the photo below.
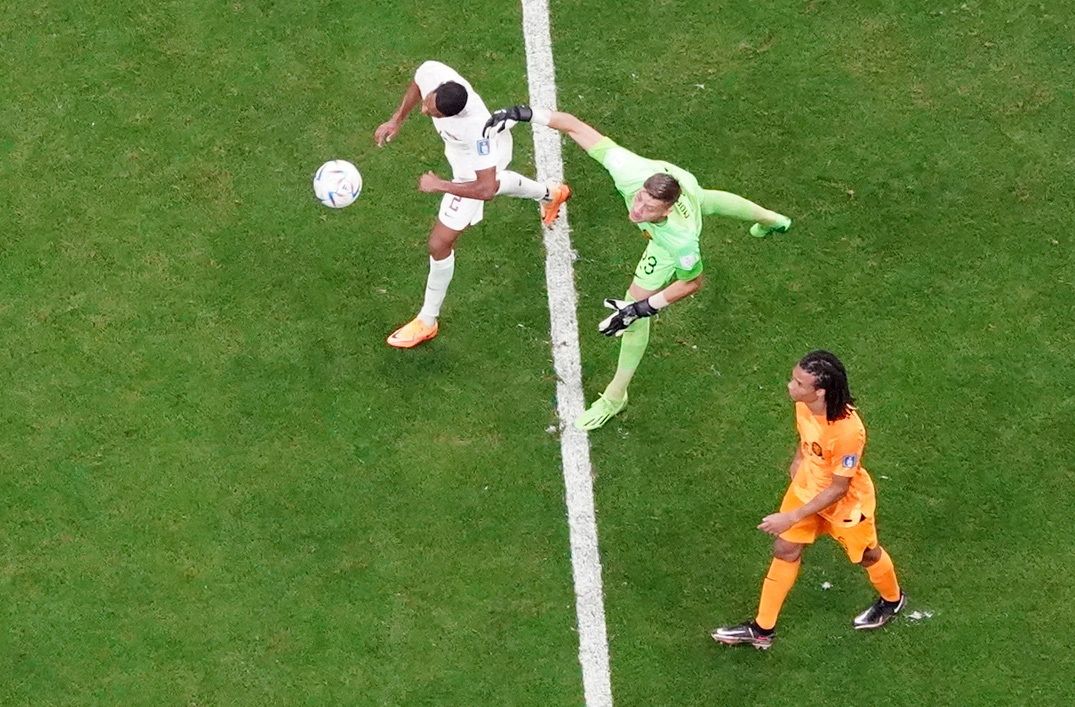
(222, 487)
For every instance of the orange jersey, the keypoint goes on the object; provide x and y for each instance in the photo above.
(833, 449)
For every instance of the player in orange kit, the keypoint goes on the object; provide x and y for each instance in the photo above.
(830, 494)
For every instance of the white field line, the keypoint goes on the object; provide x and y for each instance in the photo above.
(574, 445)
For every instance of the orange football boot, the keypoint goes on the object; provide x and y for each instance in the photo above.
(412, 333)
(558, 196)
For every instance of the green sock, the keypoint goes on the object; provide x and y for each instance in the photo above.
(632, 345)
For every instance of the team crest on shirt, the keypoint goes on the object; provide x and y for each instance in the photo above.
(850, 461)
(647, 235)
(483, 146)
(816, 448)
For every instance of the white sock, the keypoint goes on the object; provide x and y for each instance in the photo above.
(515, 184)
(440, 275)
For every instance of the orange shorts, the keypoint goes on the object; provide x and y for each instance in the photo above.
(855, 539)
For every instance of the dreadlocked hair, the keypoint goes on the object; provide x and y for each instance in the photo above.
(830, 375)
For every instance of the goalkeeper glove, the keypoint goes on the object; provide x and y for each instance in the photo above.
(624, 315)
(506, 118)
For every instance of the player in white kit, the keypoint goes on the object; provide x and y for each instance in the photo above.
(479, 173)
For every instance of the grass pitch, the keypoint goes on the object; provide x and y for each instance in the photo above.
(222, 487)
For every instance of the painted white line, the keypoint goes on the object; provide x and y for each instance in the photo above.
(574, 445)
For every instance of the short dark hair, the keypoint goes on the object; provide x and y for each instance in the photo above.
(831, 375)
(663, 187)
(450, 98)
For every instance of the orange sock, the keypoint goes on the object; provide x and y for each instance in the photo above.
(778, 582)
(883, 577)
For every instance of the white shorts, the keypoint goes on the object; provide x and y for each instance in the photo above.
(457, 212)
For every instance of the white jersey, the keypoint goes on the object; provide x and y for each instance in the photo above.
(467, 151)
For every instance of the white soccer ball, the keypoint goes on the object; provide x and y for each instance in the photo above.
(337, 184)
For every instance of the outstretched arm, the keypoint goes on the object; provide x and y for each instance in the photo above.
(390, 128)
(584, 135)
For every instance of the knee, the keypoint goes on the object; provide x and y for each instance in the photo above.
(788, 552)
(439, 248)
(871, 556)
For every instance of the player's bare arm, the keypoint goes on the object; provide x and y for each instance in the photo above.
(584, 135)
(777, 523)
(388, 130)
(796, 460)
(671, 294)
(483, 187)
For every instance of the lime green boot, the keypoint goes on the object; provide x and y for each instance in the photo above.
(600, 412)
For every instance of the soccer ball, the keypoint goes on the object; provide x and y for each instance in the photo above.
(337, 184)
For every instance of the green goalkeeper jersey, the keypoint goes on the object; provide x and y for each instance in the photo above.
(679, 233)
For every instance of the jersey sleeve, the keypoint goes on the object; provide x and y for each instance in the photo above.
(688, 263)
(847, 451)
(627, 169)
(688, 255)
(481, 152)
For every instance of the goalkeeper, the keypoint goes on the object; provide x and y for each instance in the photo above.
(667, 205)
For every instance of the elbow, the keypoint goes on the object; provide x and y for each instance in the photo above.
(484, 187)
(696, 284)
